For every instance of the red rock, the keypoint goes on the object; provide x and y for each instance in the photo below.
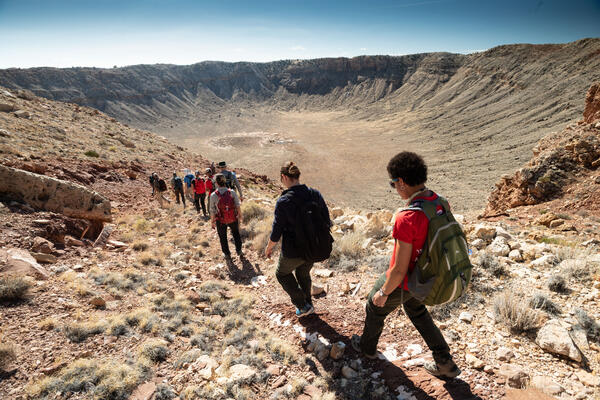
(192, 296)
(144, 392)
(41, 245)
(591, 113)
(20, 262)
(273, 370)
(278, 382)
(313, 391)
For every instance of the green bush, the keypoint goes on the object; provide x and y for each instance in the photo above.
(91, 153)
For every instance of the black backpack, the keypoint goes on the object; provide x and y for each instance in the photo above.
(312, 229)
(162, 185)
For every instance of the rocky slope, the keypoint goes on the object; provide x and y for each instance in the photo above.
(156, 313)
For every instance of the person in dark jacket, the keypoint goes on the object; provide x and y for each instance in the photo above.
(293, 271)
(177, 185)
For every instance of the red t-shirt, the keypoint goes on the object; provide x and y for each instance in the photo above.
(410, 227)
(199, 186)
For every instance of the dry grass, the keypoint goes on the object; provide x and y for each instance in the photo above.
(78, 332)
(47, 324)
(349, 245)
(513, 310)
(542, 302)
(154, 350)
(558, 284)
(13, 288)
(100, 379)
(252, 210)
(140, 245)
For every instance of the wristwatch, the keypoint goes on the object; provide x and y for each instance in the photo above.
(382, 294)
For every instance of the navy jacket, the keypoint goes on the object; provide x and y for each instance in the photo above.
(285, 216)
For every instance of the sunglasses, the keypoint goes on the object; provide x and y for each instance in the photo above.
(393, 182)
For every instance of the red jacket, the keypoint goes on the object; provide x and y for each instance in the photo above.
(210, 187)
(199, 186)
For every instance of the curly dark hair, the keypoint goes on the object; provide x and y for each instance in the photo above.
(408, 166)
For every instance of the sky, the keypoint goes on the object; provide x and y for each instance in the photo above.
(107, 33)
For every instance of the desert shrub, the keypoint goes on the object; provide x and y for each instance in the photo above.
(171, 307)
(379, 264)
(378, 228)
(149, 259)
(238, 305)
(140, 246)
(154, 350)
(252, 210)
(578, 270)
(141, 225)
(78, 332)
(129, 280)
(92, 153)
(47, 324)
(558, 284)
(513, 310)
(164, 392)
(7, 354)
(13, 288)
(107, 379)
(117, 326)
(541, 302)
(259, 231)
(349, 245)
(491, 263)
(570, 251)
(589, 324)
(281, 351)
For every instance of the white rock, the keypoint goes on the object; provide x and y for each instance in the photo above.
(514, 374)
(336, 212)
(478, 243)
(546, 385)
(553, 337)
(499, 247)
(545, 261)
(588, 379)
(323, 272)
(505, 354)
(317, 289)
(241, 372)
(466, 316)
(474, 361)
(515, 255)
(500, 231)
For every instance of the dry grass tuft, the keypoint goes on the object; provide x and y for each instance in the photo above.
(47, 324)
(557, 284)
(100, 379)
(349, 245)
(140, 245)
(7, 354)
(513, 310)
(155, 350)
(542, 302)
(78, 332)
(252, 210)
(13, 288)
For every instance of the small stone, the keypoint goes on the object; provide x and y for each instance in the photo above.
(71, 241)
(317, 289)
(336, 212)
(478, 243)
(280, 381)
(144, 392)
(555, 223)
(588, 379)
(466, 316)
(273, 370)
(98, 302)
(241, 372)
(22, 114)
(44, 258)
(514, 374)
(488, 369)
(323, 272)
(192, 296)
(312, 391)
(337, 350)
(474, 361)
(505, 354)
(546, 385)
(348, 372)
(515, 255)
(41, 245)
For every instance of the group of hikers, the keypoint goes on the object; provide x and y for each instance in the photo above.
(429, 263)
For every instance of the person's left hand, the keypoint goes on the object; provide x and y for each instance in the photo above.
(379, 300)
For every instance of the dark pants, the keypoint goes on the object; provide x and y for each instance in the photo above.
(297, 287)
(416, 312)
(200, 198)
(178, 193)
(235, 232)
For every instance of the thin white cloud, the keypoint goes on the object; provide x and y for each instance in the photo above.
(298, 48)
(363, 49)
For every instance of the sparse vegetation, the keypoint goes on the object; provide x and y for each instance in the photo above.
(558, 284)
(101, 379)
(491, 263)
(164, 392)
(349, 245)
(47, 324)
(140, 246)
(92, 153)
(154, 350)
(7, 355)
(513, 310)
(13, 288)
(78, 332)
(588, 323)
(541, 302)
(252, 210)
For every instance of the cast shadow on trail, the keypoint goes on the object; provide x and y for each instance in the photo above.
(244, 274)
(393, 375)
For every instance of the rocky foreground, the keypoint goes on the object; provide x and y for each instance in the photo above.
(152, 310)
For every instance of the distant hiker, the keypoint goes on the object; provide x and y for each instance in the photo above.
(402, 284)
(177, 185)
(213, 169)
(188, 177)
(301, 215)
(231, 179)
(225, 213)
(210, 184)
(158, 187)
(199, 186)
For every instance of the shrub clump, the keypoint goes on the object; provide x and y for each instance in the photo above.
(102, 379)
(7, 354)
(589, 324)
(154, 350)
(557, 284)
(514, 311)
(164, 392)
(541, 302)
(79, 332)
(13, 288)
(252, 210)
(92, 153)
(491, 263)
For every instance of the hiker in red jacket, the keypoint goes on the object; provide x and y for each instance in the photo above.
(199, 185)
(225, 213)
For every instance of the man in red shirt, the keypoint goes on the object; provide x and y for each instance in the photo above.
(409, 174)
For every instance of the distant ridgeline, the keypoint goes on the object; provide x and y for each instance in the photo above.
(557, 74)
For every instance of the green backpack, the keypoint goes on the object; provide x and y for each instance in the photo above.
(443, 270)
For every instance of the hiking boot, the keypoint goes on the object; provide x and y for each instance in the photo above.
(355, 342)
(306, 310)
(447, 369)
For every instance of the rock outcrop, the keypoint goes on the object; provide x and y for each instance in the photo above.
(558, 160)
(53, 194)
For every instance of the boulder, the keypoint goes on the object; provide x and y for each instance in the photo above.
(514, 374)
(144, 392)
(53, 194)
(22, 114)
(6, 107)
(499, 247)
(241, 372)
(546, 219)
(317, 289)
(20, 262)
(474, 361)
(41, 245)
(44, 258)
(554, 338)
(478, 243)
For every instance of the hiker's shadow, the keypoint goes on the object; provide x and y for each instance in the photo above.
(243, 273)
(395, 376)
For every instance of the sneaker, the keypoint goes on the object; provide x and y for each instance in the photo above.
(355, 342)
(306, 310)
(447, 369)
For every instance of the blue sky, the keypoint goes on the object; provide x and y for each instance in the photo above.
(104, 33)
